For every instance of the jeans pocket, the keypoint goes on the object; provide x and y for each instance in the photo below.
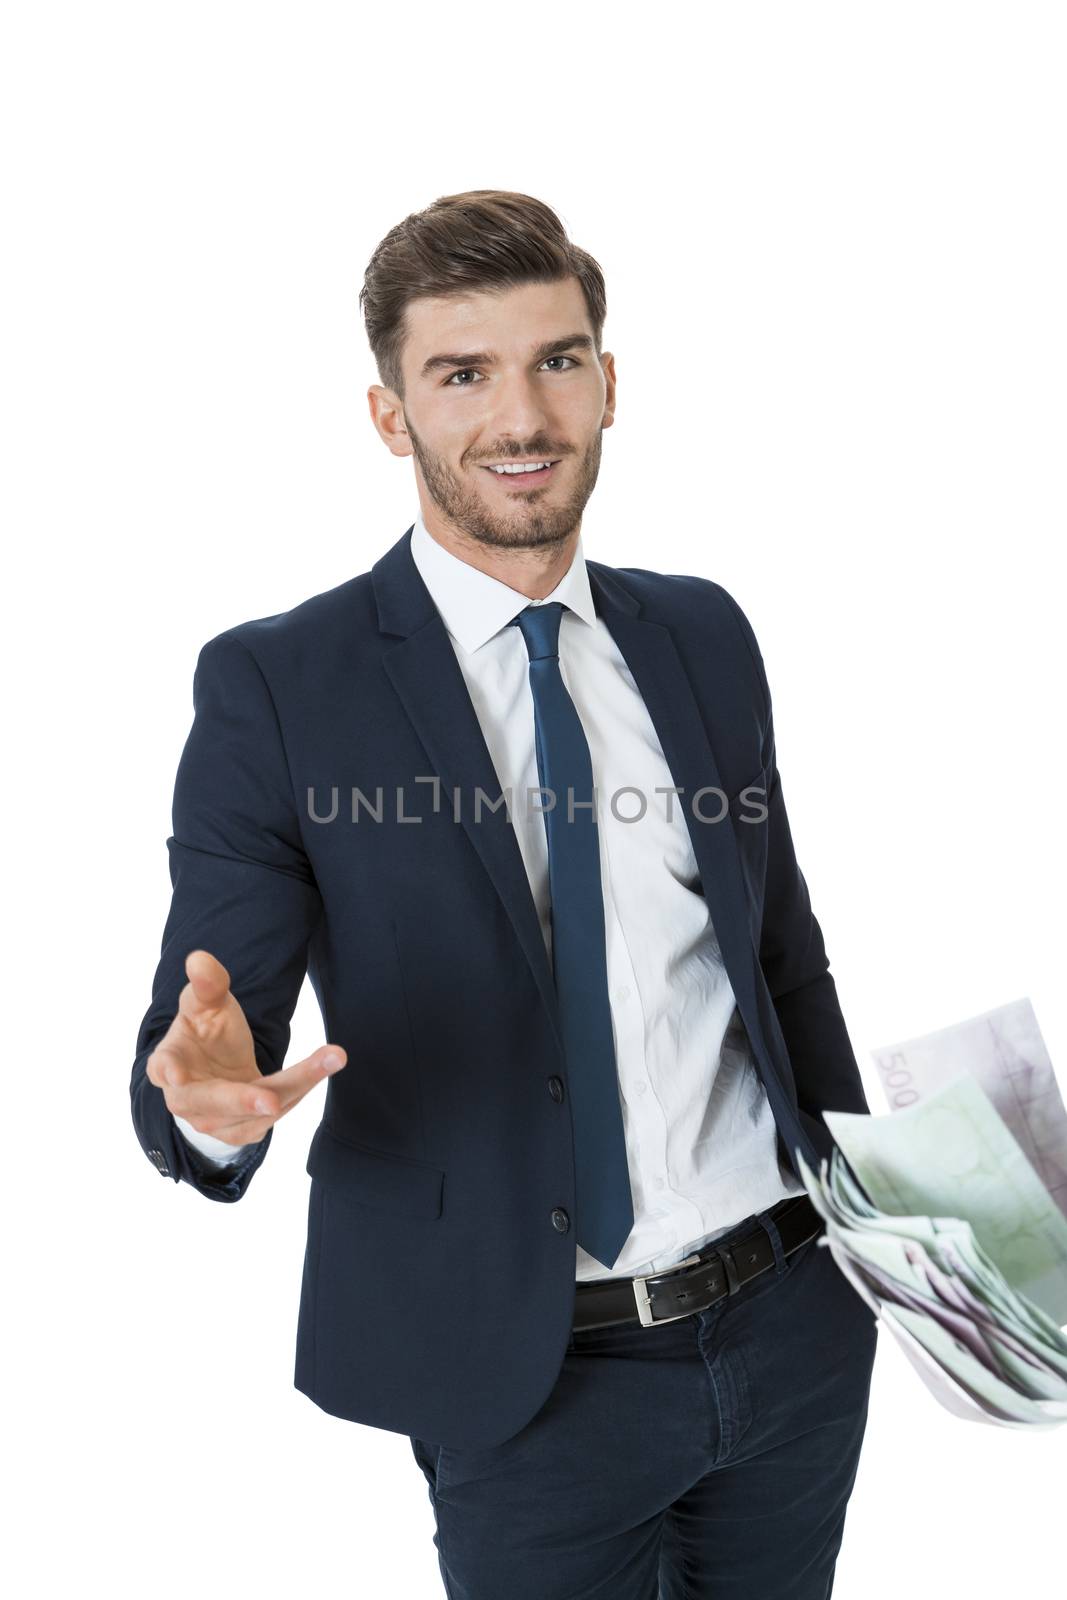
(765, 1282)
(802, 1251)
(426, 1456)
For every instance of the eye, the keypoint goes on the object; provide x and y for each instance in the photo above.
(462, 372)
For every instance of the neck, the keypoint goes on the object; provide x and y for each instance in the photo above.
(531, 572)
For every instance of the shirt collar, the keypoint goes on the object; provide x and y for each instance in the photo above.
(474, 606)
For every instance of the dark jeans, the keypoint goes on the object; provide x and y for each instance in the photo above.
(711, 1458)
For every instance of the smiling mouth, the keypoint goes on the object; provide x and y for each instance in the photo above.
(526, 479)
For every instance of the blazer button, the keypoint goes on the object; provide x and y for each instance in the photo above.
(560, 1220)
(160, 1162)
(555, 1089)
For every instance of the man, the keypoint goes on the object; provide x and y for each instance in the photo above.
(518, 816)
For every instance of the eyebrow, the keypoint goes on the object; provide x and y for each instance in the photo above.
(487, 358)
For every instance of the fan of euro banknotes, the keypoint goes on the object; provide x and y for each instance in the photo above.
(949, 1217)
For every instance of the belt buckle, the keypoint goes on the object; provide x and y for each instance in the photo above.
(644, 1304)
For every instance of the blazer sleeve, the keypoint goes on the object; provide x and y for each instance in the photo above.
(242, 888)
(793, 956)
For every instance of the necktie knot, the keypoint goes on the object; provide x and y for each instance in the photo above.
(540, 628)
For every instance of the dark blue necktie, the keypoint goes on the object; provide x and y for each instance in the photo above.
(579, 962)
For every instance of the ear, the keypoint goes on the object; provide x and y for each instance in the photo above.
(387, 414)
(607, 362)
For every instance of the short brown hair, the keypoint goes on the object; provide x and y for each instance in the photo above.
(483, 240)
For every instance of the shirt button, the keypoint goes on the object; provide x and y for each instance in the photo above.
(657, 1183)
(555, 1089)
(622, 993)
(641, 1085)
(560, 1220)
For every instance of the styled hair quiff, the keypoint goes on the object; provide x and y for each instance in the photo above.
(483, 240)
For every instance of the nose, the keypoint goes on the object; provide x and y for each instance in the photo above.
(519, 410)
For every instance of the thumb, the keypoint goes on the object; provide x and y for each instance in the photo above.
(208, 978)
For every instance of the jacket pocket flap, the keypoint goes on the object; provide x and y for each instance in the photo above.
(373, 1178)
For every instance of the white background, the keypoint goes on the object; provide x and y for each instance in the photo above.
(834, 243)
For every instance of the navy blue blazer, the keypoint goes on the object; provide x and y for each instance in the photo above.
(439, 1276)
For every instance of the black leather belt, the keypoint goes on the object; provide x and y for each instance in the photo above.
(697, 1282)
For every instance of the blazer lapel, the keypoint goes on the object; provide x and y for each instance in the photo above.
(650, 653)
(428, 679)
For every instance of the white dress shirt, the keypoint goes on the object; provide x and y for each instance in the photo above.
(700, 1133)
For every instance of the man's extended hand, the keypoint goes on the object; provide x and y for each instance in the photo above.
(206, 1064)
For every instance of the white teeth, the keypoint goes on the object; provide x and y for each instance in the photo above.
(537, 466)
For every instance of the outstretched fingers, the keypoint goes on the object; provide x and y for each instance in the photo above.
(290, 1086)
